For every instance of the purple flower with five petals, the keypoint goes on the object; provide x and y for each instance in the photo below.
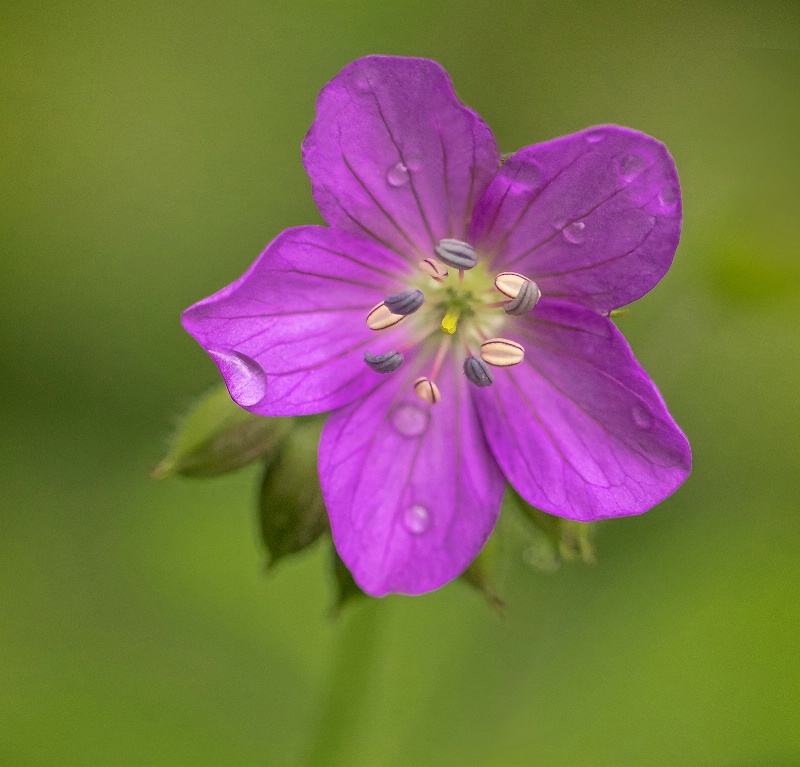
(454, 319)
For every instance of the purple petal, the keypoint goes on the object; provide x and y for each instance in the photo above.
(394, 155)
(289, 335)
(578, 427)
(594, 217)
(412, 490)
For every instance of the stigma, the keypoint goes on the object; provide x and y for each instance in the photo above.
(450, 321)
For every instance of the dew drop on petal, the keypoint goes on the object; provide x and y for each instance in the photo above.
(642, 416)
(413, 161)
(397, 175)
(244, 377)
(417, 519)
(631, 166)
(595, 136)
(575, 233)
(523, 172)
(410, 419)
(362, 81)
(668, 197)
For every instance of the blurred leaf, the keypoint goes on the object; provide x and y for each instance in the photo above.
(291, 509)
(347, 589)
(216, 436)
(576, 541)
(541, 553)
(481, 574)
(555, 539)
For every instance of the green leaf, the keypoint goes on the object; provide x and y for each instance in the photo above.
(555, 539)
(347, 590)
(216, 436)
(481, 574)
(291, 510)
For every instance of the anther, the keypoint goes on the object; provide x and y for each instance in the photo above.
(405, 303)
(427, 390)
(384, 363)
(478, 372)
(380, 317)
(525, 300)
(501, 352)
(510, 283)
(434, 269)
(456, 254)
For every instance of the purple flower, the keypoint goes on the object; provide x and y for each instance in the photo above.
(454, 318)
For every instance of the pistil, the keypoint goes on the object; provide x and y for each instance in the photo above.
(450, 321)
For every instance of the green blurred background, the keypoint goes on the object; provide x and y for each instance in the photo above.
(149, 150)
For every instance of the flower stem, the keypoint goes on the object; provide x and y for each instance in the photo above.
(351, 677)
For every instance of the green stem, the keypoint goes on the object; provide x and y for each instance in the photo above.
(354, 664)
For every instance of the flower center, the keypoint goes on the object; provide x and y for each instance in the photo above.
(455, 294)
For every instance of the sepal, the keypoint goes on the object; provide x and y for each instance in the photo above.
(347, 590)
(555, 539)
(216, 436)
(292, 513)
(481, 575)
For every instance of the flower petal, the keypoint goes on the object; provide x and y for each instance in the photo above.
(395, 156)
(289, 335)
(594, 217)
(412, 490)
(578, 428)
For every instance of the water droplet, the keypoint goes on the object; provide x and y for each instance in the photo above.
(631, 166)
(523, 172)
(575, 233)
(413, 161)
(595, 136)
(243, 376)
(642, 416)
(410, 419)
(417, 519)
(397, 175)
(364, 79)
(668, 197)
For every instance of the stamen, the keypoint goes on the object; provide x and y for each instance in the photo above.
(456, 254)
(450, 321)
(427, 390)
(478, 372)
(380, 317)
(510, 283)
(439, 359)
(434, 269)
(501, 352)
(525, 300)
(384, 363)
(405, 303)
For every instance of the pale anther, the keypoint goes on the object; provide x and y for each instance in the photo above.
(478, 372)
(510, 283)
(502, 352)
(434, 269)
(525, 300)
(427, 390)
(384, 363)
(405, 303)
(456, 254)
(380, 318)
